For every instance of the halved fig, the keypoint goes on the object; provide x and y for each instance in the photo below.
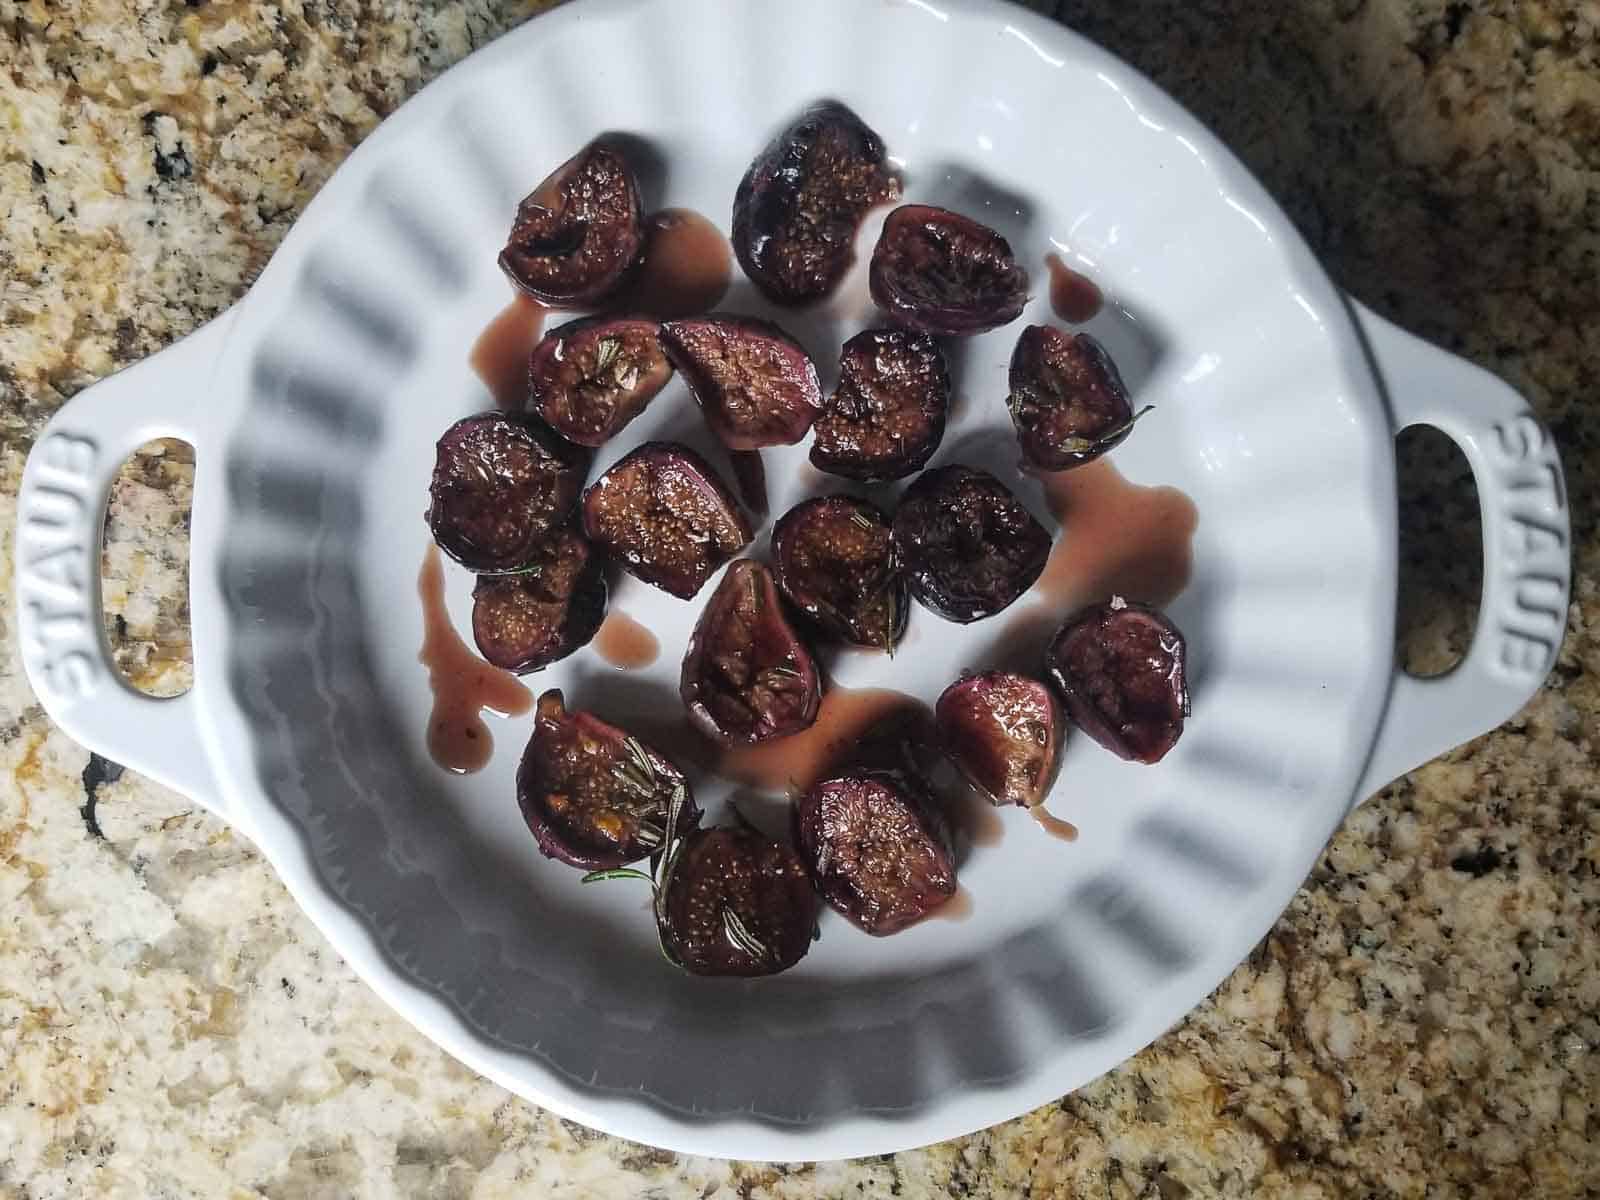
(1003, 733)
(526, 621)
(735, 902)
(663, 513)
(756, 385)
(834, 560)
(1120, 669)
(797, 209)
(878, 848)
(577, 233)
(1067, 400)
(500, 484)
(748, 677)
(968, 546)
(594, 796)
(590, 377)
(940, 272)
(886, 417)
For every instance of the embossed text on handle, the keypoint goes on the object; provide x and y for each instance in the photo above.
(1535, 561)
(56, 557)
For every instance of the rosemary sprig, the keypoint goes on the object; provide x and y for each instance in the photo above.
(737, 932)
(615, 873)
(860, 518)
(606, 354)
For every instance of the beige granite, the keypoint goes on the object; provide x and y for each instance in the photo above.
(1425, 1018)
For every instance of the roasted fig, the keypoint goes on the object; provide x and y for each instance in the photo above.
(526, 621)
(590, 377)
(756, 385)
(967, 545)
(834, 560)
(1003, 733)
(1067, 400)
(664, 515)
(735, 902)
(577, 234)
(500, 484)
(747, 676)
(886, 417)
(1120, 669)
(797, 209)
(878, 848)
(594, 796)
(940, 272)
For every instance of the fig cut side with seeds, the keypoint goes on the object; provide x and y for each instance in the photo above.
(940, 272)
(579, 232)
(1067, 401)
(968, 546)
(593, 796)
(799, 205)
(887, 416)
(662, 512)
(526, 621)
(833, 558)
(588, 378)
(1003, 733)
(755, 384)
(500, 484)
(748, 677)
(878, 848)
(1120, 669)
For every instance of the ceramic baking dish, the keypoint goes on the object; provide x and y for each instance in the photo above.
(313, 406)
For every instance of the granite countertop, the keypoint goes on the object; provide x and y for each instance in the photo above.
(1425, 1017)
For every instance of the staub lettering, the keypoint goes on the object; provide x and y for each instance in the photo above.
(56, 531)
(1532, 561)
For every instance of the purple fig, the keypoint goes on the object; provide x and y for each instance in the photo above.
(1003, 733)
(940, 272)
(526, 621)
(834, 560)
(756, 385)
(886, 418)
(1067, 400)
(590, 377)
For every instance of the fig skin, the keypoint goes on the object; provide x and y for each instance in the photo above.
(939, 272)
(887, 416)
(762, 882)
(834, 561)
(588, 378)
(1067, 402)
(798, 207)
(584, 795)
(968, 546)
(663, 513)
(525, 622)
(755, 384)
(578, 234)
(748, 676)
(500, 484)
(1003, 733)
(878, 848)
(1120, 669)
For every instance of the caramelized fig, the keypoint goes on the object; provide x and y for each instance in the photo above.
(735, 902)
(1067, 400)
(747, 676)
(834, 560)
(526, 621)
(797, 209)
(592, 376)
(592, 795)
(877, 847)
(969, 547)
(1120, 669)
(500, 484)
(756, 385)
(664, 515)
(940, 272)
(1003, 733)
(886, 417)
(577, 234)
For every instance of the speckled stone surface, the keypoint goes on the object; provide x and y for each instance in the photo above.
(1423, 1021)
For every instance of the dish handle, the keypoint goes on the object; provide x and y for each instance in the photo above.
(61, 513)
(1527, 567)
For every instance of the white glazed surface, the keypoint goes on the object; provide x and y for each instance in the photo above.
(316, 406)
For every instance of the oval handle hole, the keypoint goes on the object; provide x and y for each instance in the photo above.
(144, 565)
(1441, 553)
